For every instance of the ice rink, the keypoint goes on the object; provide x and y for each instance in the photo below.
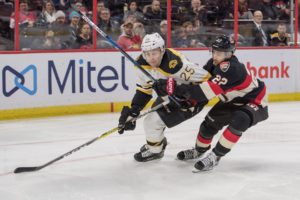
(264, 165)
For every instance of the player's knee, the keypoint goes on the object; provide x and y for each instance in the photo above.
(240, 121)
(207, 130)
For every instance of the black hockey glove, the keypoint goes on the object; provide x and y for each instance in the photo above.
(125, 114)
(160, 86)
(168, 86)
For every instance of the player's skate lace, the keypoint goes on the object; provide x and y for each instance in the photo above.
(189, 154)
(208, 162)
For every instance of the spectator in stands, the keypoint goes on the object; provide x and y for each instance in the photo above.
(82, 7)
(108, 25)
(281, 37)
(254, 5)
(48, 14)
(6, 41)
(133, 10)
(62, 4)
(154, 15)
(116, 8)
(217, 11)
(258, 35)
(128, 40)
(100, 6)
(269, 10)
(243, 11)
(84, 39)
(197, 12)
(181, 40)
(139, 29)
(61, 30)
(163, 30)
(190, 30)
(74, 18)
(284, 9)
(26, 17)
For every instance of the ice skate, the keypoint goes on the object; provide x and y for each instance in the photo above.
(146, 155)
(207, 163)
(189, 154)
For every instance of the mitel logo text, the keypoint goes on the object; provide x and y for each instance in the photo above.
(83, 76)
(274, 71)
(18, 80)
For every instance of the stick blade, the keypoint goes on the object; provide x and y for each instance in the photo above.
(25, 169)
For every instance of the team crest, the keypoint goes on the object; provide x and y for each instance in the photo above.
(172, 64)
(224, 66)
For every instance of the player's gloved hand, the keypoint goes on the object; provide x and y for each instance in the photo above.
(168, 86)
(159, 87)
(164, 87)
(125, 114)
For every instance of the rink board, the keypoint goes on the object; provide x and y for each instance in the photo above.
(43, 84)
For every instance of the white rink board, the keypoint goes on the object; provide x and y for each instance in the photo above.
(99, 77)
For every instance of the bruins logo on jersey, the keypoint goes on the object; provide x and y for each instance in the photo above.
(224, 66)
(172, 64)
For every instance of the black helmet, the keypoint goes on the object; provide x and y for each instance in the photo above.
(223, 43)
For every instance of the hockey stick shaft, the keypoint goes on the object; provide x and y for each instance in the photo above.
(115, 45)
(36, 168)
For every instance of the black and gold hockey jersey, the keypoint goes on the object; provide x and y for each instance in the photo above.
(173, 65)
(277, 40)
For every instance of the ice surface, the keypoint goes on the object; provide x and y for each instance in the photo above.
(264, 165)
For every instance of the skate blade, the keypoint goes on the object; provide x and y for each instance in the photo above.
(196, 171)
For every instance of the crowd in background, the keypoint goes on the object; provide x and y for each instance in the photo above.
(54, 24)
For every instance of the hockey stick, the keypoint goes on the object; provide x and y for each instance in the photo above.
(115, 45)
(36, 168)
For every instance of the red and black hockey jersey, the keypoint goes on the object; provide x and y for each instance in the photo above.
(231, 81)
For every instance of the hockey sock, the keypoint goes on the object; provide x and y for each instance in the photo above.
(228, 139)
(202, 143)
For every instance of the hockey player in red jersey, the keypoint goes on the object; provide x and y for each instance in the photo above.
(243, 103)
(161, 63)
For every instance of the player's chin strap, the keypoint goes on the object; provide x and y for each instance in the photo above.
(36, 168)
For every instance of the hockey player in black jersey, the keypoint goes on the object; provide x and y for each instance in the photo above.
(161, 63)
(243, 103)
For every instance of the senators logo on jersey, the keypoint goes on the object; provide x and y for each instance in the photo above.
(224, 66)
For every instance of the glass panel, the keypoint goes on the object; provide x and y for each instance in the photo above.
(6, 25)
(196, 23)
(127, 23)
(270, 24)
(46, 25)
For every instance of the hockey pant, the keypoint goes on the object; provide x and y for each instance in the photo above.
(238, 118)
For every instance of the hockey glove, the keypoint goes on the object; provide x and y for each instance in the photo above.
(164, 87)
(125, 114)
(168, 86)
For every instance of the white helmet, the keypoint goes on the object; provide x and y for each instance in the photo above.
(153, 41)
